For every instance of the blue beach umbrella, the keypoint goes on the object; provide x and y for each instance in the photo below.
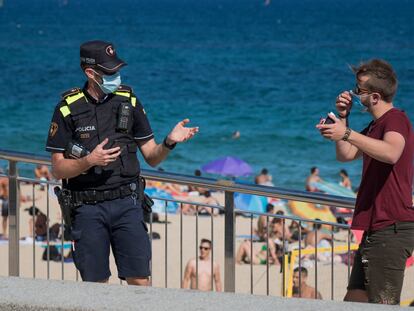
(159, 205)
(228, 166)
(248, 202)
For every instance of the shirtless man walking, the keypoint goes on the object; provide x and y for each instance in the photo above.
(205, 274)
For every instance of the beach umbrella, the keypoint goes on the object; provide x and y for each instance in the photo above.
(248, 202)
(311, 211)
(335, 189)
(228, 166)
(159, 205)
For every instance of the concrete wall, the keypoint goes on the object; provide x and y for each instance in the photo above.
(28, 294)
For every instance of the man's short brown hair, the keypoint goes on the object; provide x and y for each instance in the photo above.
(382, 77)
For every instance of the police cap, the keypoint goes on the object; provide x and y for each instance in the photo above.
(100, 54)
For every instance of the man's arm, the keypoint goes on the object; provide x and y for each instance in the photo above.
(154, 153)
(68, 168)
(388, 150)
(187, 275)
(217, 278)
(345, 151)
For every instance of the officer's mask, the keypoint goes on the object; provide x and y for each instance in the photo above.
(110, 83)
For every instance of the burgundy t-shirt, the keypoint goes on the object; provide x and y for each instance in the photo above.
(385, 193)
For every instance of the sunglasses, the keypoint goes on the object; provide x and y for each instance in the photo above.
(204, 248)
(358, 91)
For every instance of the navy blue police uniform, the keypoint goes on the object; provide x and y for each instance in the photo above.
(108, 203)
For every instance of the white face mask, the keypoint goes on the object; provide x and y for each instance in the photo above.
(110, 83)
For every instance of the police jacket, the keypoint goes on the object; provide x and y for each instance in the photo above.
(79, 118)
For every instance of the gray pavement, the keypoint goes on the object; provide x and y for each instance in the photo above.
(29, 294)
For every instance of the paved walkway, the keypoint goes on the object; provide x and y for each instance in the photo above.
(29, 294)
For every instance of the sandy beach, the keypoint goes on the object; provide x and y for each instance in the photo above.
(32, 265)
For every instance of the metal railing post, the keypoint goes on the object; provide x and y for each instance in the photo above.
(229, 243)
(13, 220)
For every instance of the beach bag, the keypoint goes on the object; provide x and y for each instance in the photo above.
(54, 254)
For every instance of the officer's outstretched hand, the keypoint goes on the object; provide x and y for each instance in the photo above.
(180, 133)
(102, 157)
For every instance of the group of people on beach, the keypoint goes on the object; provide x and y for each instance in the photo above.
(37, 222)
(276, 237)
(314, 178)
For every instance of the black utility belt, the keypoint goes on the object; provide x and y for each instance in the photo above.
(96, 196)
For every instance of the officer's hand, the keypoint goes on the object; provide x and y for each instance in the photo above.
(102, 157)
(180, 133)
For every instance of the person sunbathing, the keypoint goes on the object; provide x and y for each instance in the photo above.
(261, 256)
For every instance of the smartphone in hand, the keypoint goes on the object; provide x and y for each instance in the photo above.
(329, 120)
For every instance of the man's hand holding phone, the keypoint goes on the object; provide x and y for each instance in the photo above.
(331, 127)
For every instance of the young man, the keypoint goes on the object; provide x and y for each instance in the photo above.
(205, 274)
(384, 204)
(264, 178)
(302, 289)
(107, 119)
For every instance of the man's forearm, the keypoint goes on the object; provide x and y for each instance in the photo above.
(186, 283)
(157, 154)
(345, 151)
(375, 148)
(69, 168)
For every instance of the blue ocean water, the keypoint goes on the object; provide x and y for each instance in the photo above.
(270, 72)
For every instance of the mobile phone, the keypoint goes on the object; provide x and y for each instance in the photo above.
(329, 120)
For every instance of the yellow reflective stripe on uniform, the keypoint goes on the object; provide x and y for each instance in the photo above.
(133, 101)
(125, 94)
(65, 111)
(73, 98)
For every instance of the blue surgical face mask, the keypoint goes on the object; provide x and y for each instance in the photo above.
(110, 83)
(356, 99)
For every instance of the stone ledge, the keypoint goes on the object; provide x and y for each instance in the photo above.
(28, 294)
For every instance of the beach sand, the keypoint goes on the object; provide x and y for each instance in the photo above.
(31, 265)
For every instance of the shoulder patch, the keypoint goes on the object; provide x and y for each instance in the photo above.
(125, 88)
(72, 91)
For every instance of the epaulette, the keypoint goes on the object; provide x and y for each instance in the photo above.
(125, 88)
(126, 91)
(70, 92)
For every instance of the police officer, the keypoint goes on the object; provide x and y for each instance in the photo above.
(107, 119)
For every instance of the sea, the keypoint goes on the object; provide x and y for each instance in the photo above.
(268, 69)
